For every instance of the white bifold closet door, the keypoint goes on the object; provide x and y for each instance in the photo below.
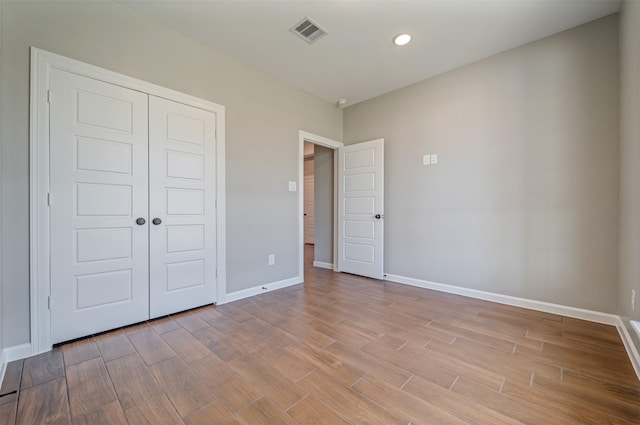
(119, 159)
(99, 187)
(182, 197)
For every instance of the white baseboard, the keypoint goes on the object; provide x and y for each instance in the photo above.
(629, 345)
(323, 265)
(563, 310)
(3, 365)
(261, 289)
(18, 352)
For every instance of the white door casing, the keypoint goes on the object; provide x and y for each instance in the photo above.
(98, 187)
(309, 210)
(361, 209)
(182, 196)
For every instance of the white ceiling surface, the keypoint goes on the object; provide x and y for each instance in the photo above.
(357, 59)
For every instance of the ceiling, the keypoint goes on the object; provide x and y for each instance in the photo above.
(357, 59)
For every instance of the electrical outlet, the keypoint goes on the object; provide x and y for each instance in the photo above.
(633, 299)
(272, 259)
(434, 158)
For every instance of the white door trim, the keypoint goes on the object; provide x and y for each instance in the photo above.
(41, 64)
(327, 143)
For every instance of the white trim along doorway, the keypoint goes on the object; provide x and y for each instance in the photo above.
(43, 65)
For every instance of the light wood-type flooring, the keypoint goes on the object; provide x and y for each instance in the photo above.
(339, 349)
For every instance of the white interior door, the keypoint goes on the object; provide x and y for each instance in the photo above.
(98, 188)
(182, 201)
(361, 209)
(309, 210)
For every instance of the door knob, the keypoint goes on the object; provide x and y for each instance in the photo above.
(140, 221)
(156, 221)
(378, 216)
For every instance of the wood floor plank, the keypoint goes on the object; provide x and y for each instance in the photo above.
(272, 334)
(79, 351)
(420, 362)
(44, 404)
(497, 343)
(89, 386)
(151, 347)
(595, 365)
(207, 313)
(232, 312)
(327, 362)
(8, 413)
(232, 389)
(583, 397)
(509, 365)
(518, 409)
(183, 387)
(291, 364)
(351, 403)
(223, 346)
(214, 413)
(186, 345)
(191, 322)
(465, 409)
(113, 345)
(373, 365)
(291, 324)
(577, 410)
(311, 411)
(516, 337)
(406, 405)
(42, 368)
(138, 327)
(340, 333)
(158, 411)
(601, 389)
(264, 412)
(267, 380)
(12, 376)
(110, 414)
(164, 324)
(133, 382)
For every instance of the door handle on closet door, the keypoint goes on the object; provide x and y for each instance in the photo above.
(140, 221)
(156, 221)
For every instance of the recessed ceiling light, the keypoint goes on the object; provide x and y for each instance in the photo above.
(402, 39)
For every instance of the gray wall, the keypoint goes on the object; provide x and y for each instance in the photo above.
(1, 138)
(323, 191)
(524, 200)
(629, 160)
(263, 116)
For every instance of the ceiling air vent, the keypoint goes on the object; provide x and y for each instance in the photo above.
(308, 30)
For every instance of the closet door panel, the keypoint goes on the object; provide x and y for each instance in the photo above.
(182, 198)
(98, 188)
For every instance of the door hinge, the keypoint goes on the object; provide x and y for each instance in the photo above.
(49, 199)
(49, 302)
(216, 273)
(48, 96)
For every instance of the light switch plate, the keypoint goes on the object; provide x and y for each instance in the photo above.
(292, 187)
(426, 160)
(434, 158)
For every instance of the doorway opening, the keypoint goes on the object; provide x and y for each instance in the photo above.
(317, 202)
